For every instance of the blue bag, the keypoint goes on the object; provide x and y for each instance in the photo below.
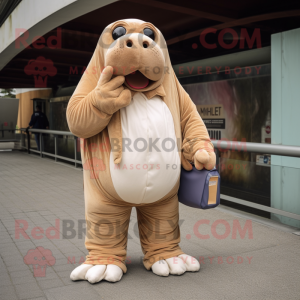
(199, 189)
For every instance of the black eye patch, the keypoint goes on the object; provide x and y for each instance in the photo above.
(149, 32)
(118, 32)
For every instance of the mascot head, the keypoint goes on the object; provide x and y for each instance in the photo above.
(136, 50)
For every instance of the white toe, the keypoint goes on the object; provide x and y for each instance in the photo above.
(176, 265)
(95, 274)
(79, 272)
(113, 273)
(191, 263)
(160, 268)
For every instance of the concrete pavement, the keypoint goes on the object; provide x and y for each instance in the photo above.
(243, 256)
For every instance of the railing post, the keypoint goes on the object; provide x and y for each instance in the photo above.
(28, 141)
(41, 153)
(75, 150)
(55, 147)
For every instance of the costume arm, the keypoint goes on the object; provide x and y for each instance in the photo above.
(194, 133)
(85, 119)
(97, 97)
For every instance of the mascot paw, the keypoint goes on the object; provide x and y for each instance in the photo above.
(176, 265)
(205, 159)
(94, 274)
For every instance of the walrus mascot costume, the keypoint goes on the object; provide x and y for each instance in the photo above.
(137, 127)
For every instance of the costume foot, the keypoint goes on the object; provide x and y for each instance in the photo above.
(113, 273)
(176, 265)
(191, 263)
(97, 273)
(79, 272)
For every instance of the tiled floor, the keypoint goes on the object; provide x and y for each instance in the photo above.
(37, 194)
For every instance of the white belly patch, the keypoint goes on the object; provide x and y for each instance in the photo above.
(150, 165)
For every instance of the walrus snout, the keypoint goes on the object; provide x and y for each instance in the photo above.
(136, 52)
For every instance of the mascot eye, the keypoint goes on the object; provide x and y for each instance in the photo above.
(149, 32)
(118, 32)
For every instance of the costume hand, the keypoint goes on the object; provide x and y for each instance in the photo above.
(112, 94)
(204, 159)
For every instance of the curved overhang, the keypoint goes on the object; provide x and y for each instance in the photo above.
(38, 18)
(197, 34)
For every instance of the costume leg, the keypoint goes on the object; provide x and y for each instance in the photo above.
(107, 231)
(160, 236)
(159, 230)
(107, 224)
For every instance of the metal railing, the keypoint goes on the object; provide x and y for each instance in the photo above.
(55, 134)
(220, 145)
(291, 151)
(12, 131)
(257, 148)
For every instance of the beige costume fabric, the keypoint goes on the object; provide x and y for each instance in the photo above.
(93, 114)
